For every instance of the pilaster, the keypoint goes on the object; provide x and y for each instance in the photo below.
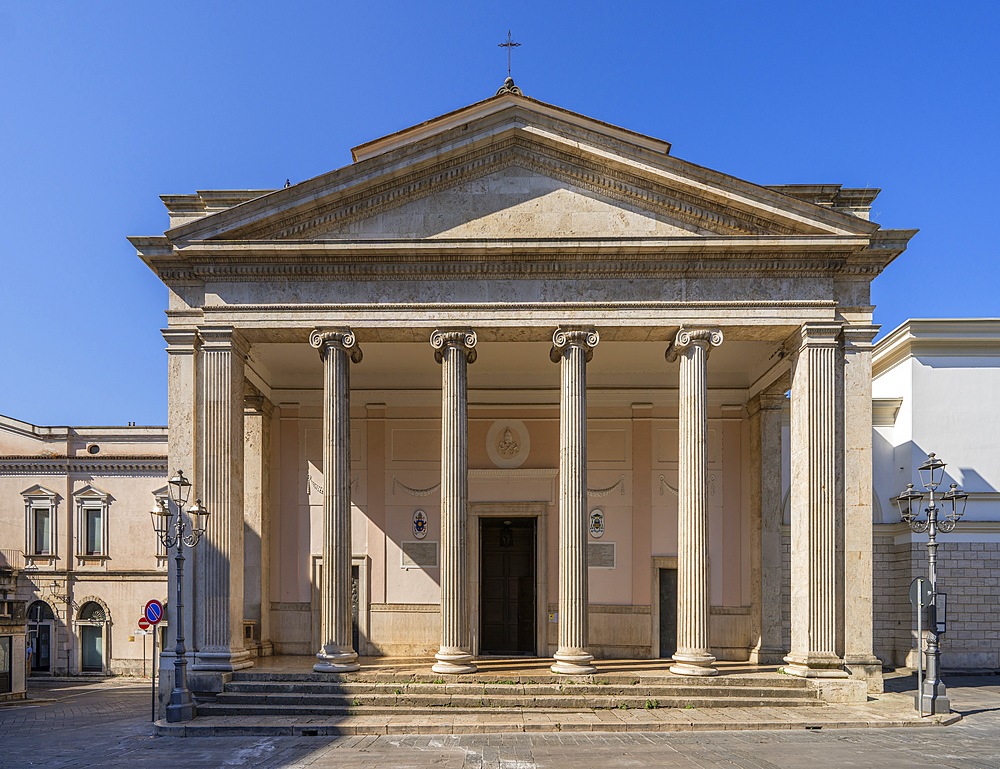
(454, 349)
(219, 581)
(572, 349)
(338, 349)
(765, 412)
(693, 656)
(859, 656)
(182, 450)
(257, 411)
(817, 586)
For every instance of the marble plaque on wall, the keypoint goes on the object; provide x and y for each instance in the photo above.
(419, 555)
(601, 555)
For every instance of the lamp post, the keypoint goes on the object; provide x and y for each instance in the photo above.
(179, 532)
(932, 696)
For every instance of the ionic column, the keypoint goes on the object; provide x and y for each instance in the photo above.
(765, 412)
(817, 505)
(859, 656)
(219, 578)
(454, 350)
(337, 349)
(693, 656)
(572, 349)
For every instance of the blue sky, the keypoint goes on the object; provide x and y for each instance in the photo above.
(105, 106)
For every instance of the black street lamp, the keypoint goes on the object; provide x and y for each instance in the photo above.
(932, 697)
(176, 531)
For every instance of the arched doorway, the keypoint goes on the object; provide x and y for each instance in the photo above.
(40, 621)
(92, 621)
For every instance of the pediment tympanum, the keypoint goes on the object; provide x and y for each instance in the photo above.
(514, 202)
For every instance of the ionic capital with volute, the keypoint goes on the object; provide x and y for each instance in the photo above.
(686, 339)
(565, 338)
(338, 338)
(461, 338)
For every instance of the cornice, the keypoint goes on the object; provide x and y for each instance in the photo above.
(453, 259)
(937, 338)
(29, 465)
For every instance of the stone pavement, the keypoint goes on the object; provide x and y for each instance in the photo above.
(106, 724)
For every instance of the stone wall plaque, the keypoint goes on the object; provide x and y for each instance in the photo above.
(601, 555)
(419, 555)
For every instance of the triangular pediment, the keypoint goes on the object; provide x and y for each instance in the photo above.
(91, 492)
(38, 491)
(514, 167)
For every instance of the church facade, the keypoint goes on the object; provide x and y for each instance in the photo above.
(515, 382)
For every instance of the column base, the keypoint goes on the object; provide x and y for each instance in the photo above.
(222, 661)
(453, 662)
(177, 712)
(815, 666)
(335, 659)
(867, 669)
(691, 663)
(767, 655)
(573, 662)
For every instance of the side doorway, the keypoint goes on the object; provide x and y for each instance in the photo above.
(508, 583)
(40, 621)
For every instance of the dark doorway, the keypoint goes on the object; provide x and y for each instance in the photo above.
(507, 586)
(6, 682)
(40, 618)
(355, 608)
(668, 612)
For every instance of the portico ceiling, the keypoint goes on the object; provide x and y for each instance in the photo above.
(512, 365)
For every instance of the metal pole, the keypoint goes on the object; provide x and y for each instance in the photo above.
(920, 649)
(181, 707)
(153, 669)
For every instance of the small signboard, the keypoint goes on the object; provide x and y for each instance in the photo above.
(143, 624)
(153, 612)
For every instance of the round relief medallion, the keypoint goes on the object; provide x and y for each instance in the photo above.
(508, 443)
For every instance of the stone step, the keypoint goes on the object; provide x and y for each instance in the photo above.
(305, 707)
(411, 690)
(389, 677)
(453, 721)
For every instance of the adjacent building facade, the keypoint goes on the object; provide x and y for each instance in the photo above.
(513, 382)
(77, 545)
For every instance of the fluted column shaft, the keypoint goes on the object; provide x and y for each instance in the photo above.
(572, 349)
(817, 505)
(219, 578)
(693, 656)
(454, 350)
(337, 349)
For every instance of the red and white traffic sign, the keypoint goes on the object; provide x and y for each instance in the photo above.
(143, 623)
(153, 612)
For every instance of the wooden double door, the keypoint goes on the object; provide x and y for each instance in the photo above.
(507, 586)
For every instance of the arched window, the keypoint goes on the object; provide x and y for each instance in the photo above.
(93, 612)
(40, 611)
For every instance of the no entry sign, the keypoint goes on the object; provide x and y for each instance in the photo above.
(143, 623)
(153, 612)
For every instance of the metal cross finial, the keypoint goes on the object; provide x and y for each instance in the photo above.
(509, 44)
